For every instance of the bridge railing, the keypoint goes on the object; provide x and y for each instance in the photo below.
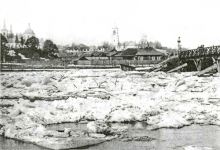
(200, 52)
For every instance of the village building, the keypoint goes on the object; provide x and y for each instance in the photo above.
(85, 50)
(111, 53)
(94, 56)
(14, 40)
(149, 53)
(115, 37)
(128, 54)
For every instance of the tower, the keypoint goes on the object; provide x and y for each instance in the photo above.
(11, 29)
(4, 30)
(10, 34)
(115, 37)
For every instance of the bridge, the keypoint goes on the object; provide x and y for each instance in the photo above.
(200, 52)
(206, 58)
(199, 55)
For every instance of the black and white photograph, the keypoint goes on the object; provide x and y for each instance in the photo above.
(110, 74)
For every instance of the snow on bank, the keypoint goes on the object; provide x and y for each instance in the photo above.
(162, 100)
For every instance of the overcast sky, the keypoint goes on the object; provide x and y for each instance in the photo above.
(90, 21)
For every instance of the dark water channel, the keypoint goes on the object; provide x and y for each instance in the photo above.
(202, 137)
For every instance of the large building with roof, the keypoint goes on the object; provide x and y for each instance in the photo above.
(149, 53)
(14, 40)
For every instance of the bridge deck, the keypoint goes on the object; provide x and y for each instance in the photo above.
(200, 52)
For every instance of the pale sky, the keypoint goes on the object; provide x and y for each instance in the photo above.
(197, 22)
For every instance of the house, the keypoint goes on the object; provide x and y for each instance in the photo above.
(94, 56)
(111, 55)
(149, 53)
(128, 54)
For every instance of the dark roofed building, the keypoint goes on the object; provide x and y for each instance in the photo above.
(128, 54)
(111, 50)
(82, 58)
(149, 53)
(93, 55)
(111, 54)
(98, 54)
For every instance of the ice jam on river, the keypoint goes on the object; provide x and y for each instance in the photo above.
(101, 101)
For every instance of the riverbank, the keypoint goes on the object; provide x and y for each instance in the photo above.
(32, 100)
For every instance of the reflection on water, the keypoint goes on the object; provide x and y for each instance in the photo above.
(169, 139)
(166, 139)
(74, 126)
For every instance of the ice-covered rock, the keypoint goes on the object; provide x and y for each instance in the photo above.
(95, 135)
(168, 120)
(191, 147)
(92, 127)
(45, 81)
(26, 82)
(98, 127)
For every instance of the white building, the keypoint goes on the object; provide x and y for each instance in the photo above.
(28, 32)
(14, 40)
(115, 37)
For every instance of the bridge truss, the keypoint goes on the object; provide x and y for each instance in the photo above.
(199, 55)
(213, 51)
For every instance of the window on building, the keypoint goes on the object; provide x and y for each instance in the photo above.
(114, 32)
(153, 58)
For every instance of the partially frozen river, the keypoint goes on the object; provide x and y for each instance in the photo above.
(199, 136)
(204, 137)
(174, 111)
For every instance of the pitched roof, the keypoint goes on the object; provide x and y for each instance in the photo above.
(82, 58)
(149, 51)
(97, 54)
(110, 50)
(128, 52)
(67, 55)
(89, 54)
(94, 54)
(112, 53)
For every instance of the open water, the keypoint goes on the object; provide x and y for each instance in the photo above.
(197, 136)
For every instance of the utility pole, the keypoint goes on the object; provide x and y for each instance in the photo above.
(178, 52)
(179, 46)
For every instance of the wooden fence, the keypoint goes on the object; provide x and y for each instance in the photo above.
(116, 62)
(59, 64)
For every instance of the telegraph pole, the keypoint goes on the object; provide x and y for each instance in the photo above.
(179, 51)
(179, 46)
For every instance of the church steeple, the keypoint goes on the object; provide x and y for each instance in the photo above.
(4, 24)
(115, 37)
(29, 25)
(10, 35)
(11, 29)
(4, 30)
